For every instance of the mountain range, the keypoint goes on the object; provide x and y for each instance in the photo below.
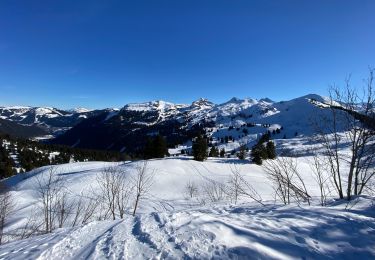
(127, 129)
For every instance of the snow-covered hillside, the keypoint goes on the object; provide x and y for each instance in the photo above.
(172, 225)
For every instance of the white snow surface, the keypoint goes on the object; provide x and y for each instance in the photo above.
(170, 226)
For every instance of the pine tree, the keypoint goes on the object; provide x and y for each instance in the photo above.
(160, 147)
(155, 147)
(200, 148)
(271, 150)
(258, 153)
(214, 152)
(242, 152)
(222, 153)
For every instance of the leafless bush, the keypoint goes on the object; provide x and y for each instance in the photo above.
(319, 169)
(84, 210)
(32, 227)
(214, 191)
(6, 208)
(350, 122)
(288, 183)
(235, 185)
(239, 187)
(191, 190)
(50, 187)
(114, 189)
(142, 182)
(64, 208)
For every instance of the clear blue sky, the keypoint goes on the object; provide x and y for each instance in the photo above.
(101, 53)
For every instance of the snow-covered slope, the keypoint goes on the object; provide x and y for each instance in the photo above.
(239, 232)
(171, 226)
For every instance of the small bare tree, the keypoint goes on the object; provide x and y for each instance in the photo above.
(84, 209)
(351, 122)
(240, 187)
(6, 208)
(319, 170)
(124, 193)
(114, 190)
(235, 184)
(213, 190)
(288, 183)
(49, 187)
(142, 181)
(63, 209)
(191, 189)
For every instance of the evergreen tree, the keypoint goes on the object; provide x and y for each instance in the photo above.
(160, 147)
(200, 148)
(242, 152)
(6, 164)
(214, 152)
(222, 153)
(261, 152)
(155, 147)
(258, 153)
(271, 150)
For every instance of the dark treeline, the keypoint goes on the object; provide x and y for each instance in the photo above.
(32, 154)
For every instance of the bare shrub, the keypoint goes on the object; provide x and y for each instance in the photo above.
(142, 181)
(191, 190)
(238, 187)
(84, 210)
(319, 170)
(114, 190)
(6, 208)
(287, 181)
(214, 191)
(350, 122)
(49, 187)
(64, 208)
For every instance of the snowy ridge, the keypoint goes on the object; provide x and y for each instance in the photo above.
(79, 110)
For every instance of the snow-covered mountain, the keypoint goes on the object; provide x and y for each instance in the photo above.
(127, 128)
(49, 118)
(241, 119)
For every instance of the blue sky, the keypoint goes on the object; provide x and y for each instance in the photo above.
(108, 53)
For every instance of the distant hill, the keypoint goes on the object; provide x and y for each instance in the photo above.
(24, 131)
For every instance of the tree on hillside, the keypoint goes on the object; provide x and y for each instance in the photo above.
(200, 148)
